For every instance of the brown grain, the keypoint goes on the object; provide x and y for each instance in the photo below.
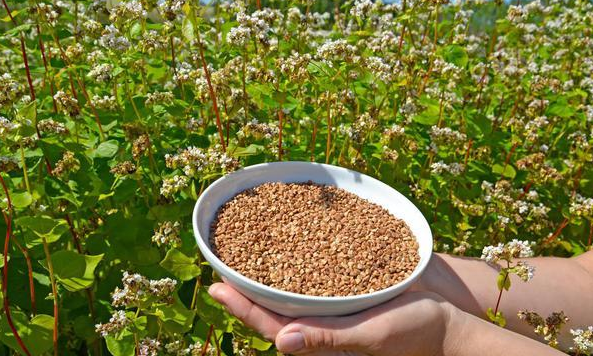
(313, 239)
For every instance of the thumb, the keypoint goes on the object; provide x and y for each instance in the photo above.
(312, 334)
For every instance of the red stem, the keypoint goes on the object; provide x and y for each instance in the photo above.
(212, 94)
(525, 190)
(508, 158)
(76, 239)
(329, 132)
(6, 303)
(563, 224)
(401, 40)
(577, 180)
(218, 352)
(280, 124)
(51, 82)
(27, 70)
(207, 343)
(82, 86)
(313, 137)
(73, 233)
(29, 80)
(500, 295)
(30, 275)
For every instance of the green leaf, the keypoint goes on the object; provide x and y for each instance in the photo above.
(187, 29)
(180, 265)
(136, 29)
(176, 317)
(430, 116)
(29, 111)
(44, 227)
(250, 150)
(455, 54)
(121, 345)
(561, 108)
(73, 270)
(14, 13)
(35, 334)
(19, 28)
(21, 200)
(498, 319)
(107, 149)
(254, 339)
(507, 171)
(503, 280)
(213, 313)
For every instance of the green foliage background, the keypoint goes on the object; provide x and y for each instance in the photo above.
(481, 113)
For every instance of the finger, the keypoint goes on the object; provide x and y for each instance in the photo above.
(261, 319)
(320, 336)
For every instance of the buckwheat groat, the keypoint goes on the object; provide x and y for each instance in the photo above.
(313, 239)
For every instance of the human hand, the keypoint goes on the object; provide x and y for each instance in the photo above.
(415, 323)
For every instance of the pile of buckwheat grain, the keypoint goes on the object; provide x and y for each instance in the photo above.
(313, 239)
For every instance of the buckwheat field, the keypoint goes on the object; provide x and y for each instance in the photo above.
(116, 115)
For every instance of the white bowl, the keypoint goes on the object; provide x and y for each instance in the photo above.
(293, 304)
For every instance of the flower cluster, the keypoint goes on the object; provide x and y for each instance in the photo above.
(50, 126)
(8, 164)
(101, 72)
(117, 323)
(124, 168)
(258, 130)
(507, 252)
(173, 185)
(583, 340)
(176, 348)
(149, 347)
(548, 328)
(137, 288)
(67, 103)
(6, 126)
(194, 161)
(10, 90)
(167, 233)
(68, 164)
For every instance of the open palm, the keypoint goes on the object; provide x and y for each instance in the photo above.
(413, 324)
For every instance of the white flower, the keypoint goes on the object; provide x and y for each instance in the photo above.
(173, 185)
(6, 126)
(361, 8)
(524, 271)
(239, 36)
(491, 254)
(101, 72)
(112, 39)
(116, 323)
(583, 340)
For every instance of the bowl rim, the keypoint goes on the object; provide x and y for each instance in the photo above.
(211, 258)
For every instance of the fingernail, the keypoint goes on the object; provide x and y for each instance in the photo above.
(291, 342)
(212, 290)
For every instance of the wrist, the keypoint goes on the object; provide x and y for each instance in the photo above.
(458, 328)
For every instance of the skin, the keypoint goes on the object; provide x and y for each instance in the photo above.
(440, 315)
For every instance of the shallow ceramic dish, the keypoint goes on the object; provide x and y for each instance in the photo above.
(293, 304)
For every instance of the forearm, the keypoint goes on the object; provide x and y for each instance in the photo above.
(559, 284)
(474, 336)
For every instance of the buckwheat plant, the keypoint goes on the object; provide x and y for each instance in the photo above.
(583, 341)
(116, 115)
(548, 328)
(506, 254)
